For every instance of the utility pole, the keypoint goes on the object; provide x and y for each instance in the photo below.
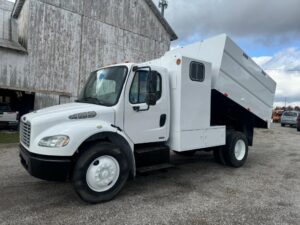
(285, 102)
(163, 4)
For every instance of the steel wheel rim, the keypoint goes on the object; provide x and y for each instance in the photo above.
(102, 173)
(240, 149)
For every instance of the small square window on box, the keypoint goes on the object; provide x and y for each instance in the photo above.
(197, 71)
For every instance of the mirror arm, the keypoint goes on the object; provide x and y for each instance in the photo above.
(137, 108)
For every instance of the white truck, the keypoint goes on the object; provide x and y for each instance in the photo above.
(209, 95)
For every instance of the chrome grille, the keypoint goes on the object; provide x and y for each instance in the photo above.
(25, 133)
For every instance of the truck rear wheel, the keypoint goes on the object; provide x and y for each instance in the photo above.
(100, 173)
(236, 149)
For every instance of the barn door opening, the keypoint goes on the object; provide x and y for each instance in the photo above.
(20, 101)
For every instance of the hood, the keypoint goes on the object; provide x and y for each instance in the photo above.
(48, 117)
(66, 110)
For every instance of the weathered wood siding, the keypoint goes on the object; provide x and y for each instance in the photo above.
(14, 68)
(66, 40)
(5, 11)
(12, 75)
(54, 48)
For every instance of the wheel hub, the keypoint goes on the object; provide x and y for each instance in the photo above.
(103, 173)
(240, 149)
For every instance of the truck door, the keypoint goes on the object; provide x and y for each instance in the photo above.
(143, 123)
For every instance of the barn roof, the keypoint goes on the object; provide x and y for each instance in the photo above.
(162, 20)
(19, 4)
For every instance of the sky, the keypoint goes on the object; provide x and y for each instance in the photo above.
(267, 30)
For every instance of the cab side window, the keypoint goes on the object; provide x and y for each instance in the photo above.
(138, 89)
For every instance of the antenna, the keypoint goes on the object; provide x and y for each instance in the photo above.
(163, 4)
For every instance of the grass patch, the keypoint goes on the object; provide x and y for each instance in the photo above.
(9, 137)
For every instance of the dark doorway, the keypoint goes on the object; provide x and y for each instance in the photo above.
(20, 101)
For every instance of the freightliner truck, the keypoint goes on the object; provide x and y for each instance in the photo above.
(206, 96)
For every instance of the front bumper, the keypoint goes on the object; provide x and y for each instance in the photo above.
(289, 122)
(46, 167)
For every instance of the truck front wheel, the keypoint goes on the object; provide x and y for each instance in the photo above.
(100, 173)
(236, 149)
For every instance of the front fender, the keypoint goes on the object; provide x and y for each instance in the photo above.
(119, 139)
(78, 132)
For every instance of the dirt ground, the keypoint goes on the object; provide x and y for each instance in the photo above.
(265, 191)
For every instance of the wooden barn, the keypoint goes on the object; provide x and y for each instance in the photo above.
(49, 47)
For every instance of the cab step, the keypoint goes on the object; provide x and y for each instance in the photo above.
(156, 167)
(151, 149)
(148, 155)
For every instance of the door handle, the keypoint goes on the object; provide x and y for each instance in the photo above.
(162, 120)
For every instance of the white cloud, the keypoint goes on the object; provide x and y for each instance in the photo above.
(288, 83)
(284, 68)
(174, 47)
(262, 59)
(288, 59)
(268, 21)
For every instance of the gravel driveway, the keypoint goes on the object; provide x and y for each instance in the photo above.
(265, 191)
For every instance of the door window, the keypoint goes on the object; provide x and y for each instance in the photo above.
(138, 89)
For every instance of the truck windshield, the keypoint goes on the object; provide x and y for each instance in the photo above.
(104, 86)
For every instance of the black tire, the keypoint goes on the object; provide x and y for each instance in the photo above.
(186, 153)
(283, 125)
(86, 158)
(298, 129)
(229, 149)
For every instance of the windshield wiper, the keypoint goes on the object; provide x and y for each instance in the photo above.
(92, 100)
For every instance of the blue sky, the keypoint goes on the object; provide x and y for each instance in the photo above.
(267, 30)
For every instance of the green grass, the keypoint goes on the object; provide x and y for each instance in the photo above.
(9, 137)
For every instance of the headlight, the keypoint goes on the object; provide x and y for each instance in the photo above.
(54, 141)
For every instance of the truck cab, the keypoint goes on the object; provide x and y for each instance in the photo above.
(120, 107)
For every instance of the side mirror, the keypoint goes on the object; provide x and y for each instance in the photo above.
(151, 88)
